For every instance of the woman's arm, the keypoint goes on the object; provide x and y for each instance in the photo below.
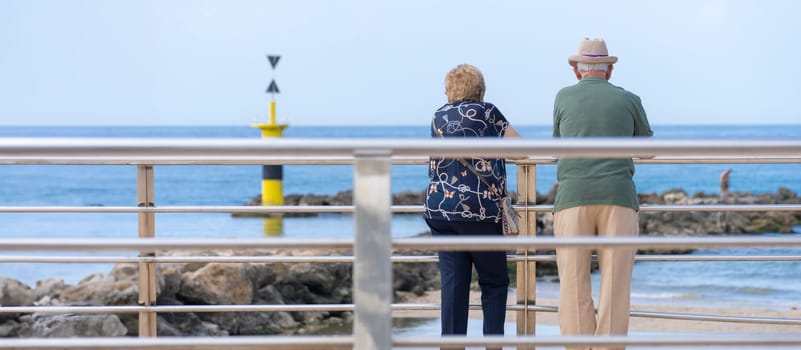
(511, 132)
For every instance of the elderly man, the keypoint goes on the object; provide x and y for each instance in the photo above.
(596, 197)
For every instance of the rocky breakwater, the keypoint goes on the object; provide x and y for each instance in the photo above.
(666, 223)
(651, 223)
(686, 223)
(340, 198)
(719, 222)
(203, 284)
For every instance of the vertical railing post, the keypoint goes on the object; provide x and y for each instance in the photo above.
(527, 270)
(145, 198)
(372, 266)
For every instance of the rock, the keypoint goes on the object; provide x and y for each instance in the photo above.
(106, 291)
(169, 281)
(238, 323)
(184, 323)
(14, 293)
(253, 323)
(339, 198)
(95, 277)
(10, 329)
(650, 198)
(217, 284)
(323, 279)
(48, 287)
(124, 272)
(262, 274)
(102, 292)
(675, 197)
(408, 198)
(550, 198)
(25, 329)
(786, 196)
(269, 295)
(62, 326)
(547, 225)
(416, 278)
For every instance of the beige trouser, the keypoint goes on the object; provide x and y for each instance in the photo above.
(576, 309)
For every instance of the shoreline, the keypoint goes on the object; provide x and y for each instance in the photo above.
(644, 324)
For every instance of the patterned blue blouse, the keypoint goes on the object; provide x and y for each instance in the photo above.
(454, 192)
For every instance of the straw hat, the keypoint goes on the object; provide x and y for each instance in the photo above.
(592, 51)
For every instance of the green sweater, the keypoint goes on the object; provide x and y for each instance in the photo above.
(595, 108)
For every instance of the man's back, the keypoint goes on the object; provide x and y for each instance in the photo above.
(595, 108)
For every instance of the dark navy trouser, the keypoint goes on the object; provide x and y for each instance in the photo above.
(456, 270)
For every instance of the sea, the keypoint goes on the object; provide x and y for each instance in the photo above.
(774, 285)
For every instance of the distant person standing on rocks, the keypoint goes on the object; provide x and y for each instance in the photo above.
(724, 185)
(459, 203)
(596, 197)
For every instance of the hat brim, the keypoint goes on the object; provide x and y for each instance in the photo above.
(572, 60)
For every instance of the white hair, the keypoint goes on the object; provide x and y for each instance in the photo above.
(592, 67)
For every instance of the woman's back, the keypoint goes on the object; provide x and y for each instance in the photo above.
(455, 192)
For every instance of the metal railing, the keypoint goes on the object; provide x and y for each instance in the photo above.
(372, 244)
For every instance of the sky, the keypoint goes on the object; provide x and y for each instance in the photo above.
(368, 62)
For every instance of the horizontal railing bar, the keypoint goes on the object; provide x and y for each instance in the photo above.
(347, 209)
(720, 207)
(714, 258)
(673, 315)
(228, 308)
(189, 209)
(184, 343)
(232, 160)
(197, 259)
(68, 259)
(348, 160)
(229, 147)
(349, 307)
(671, 257)
(432, 243)
(716, 318)
(177, 308)
(715, 160)
(214, 308)
(733, 340)
(346, 342)
(349, 259)
(264, 160)
(682, 257)
(153, 244)
(633, 313)
(494, 243)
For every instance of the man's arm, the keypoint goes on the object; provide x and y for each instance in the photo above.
(641, 125)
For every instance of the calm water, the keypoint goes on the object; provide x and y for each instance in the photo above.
(775, 284)
(430, 328)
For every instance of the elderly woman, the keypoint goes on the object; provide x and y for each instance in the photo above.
(459, 203)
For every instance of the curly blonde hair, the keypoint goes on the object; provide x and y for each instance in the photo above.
(465, 82)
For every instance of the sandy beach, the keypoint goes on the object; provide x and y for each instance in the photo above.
(643, 324)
